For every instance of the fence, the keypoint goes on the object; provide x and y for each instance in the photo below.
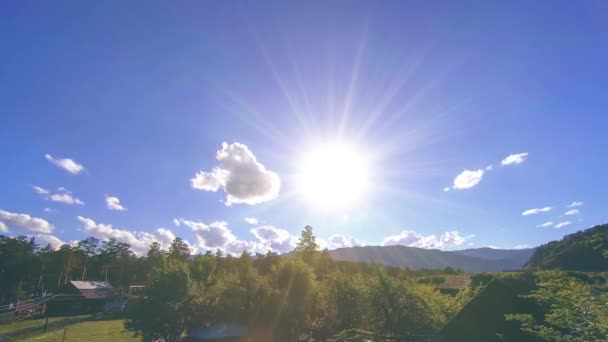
(52, 327)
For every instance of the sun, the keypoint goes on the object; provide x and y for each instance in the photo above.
(333, 176)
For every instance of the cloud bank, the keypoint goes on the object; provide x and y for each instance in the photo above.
(413, 239)
(24, 222)
(140, 241)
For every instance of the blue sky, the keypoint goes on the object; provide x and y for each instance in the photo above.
(143, 97)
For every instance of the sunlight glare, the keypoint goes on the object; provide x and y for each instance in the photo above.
(333, 176)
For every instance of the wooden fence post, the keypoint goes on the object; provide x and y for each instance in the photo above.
(65, 330)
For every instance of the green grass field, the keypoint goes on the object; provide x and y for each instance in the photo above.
(97, 330)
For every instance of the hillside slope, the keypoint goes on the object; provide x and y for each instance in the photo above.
(586, 250)
(472, 260)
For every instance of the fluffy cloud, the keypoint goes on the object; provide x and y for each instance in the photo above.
(446, 189)
(546, 224)
(3, 227)
(514, 159)
(274, 239)
(521, 246)
(44, 240)
(113, 203)
(24, 222)
(217, 235)
(572, 212)
(563, 224)
(468, 179)
(67, 164)
(575, 204)
(414, 239)
(139, 241)
(339, 241)
(62, 195)
(65, 198)
(240, 175)
(251, 220)
(535, 211)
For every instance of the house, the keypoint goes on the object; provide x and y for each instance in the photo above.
(483, 317)
(454, 283)
(81, 297)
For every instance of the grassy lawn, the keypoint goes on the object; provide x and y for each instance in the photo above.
(98, 330)
(93, 331)
(15, 326)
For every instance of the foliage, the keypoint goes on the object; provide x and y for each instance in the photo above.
(583, 251)
(575, 311)
(302, 295)
(307, 245)
(162, 313)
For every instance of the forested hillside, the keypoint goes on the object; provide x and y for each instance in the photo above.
(305, 295)
(586, 250)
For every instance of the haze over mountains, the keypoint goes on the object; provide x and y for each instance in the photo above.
(468, 260)
(586, 250)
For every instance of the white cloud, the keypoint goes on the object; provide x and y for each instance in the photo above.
(563, 224)
(62, 195)
(65, 198)
(414, 239)
(47, 239)
(572, 212)
(251, 220)
(536, 211)
(275, 239)
(67, 164)
(49, 210)
(113, 203)
(240, 175)
(139, 241)
(217, 235)
(514, 159)
(468, 179)
(446, 189)
(521, 246)
(24, 222)
(575, 204)
(3, 227)
(489, 167)
(40, 190)
(546, 224)
(340, 241)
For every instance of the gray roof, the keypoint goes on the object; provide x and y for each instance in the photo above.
(91, 285)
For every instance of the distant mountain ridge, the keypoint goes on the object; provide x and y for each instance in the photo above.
(585, 250)
(468, 260)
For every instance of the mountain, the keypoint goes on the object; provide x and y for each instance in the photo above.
(586, 250)
(468, 260)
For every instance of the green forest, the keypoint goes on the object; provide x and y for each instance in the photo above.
(305, 295)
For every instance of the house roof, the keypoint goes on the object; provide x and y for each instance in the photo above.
(456, 282)
(91, 285)
(93, 289)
